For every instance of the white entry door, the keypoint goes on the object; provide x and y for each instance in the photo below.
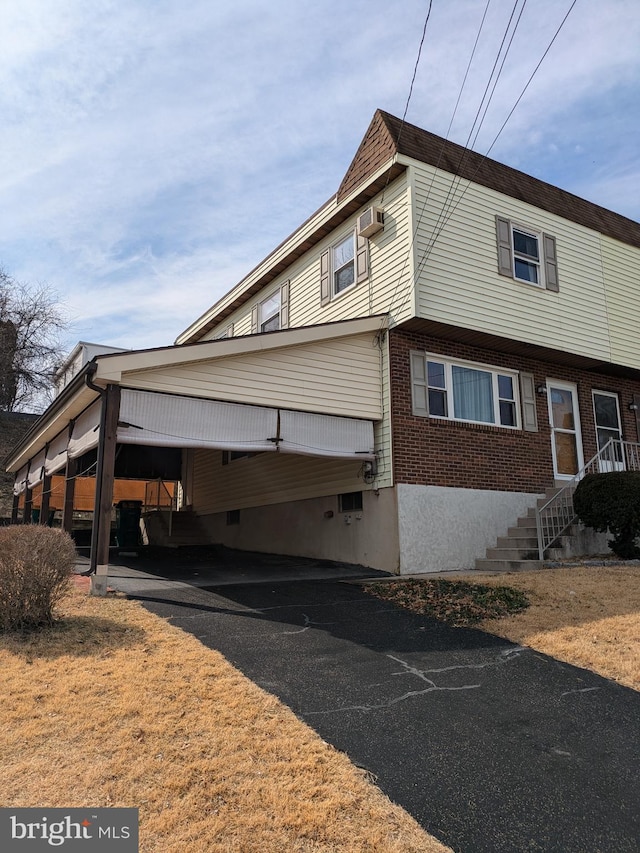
(566, 438)
(606, 410)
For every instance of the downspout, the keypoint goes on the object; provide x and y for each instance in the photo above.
(92, 367)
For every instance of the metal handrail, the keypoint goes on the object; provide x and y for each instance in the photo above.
(557, 514)
(163, 498)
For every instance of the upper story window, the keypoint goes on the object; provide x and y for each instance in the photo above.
(343, 266)
(272, 313)
(527, 255)
(269, 313)
(463, 391)
(343, 257)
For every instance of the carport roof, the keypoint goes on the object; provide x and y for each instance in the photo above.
(115, 368)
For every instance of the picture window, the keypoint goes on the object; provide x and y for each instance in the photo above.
(464, 391)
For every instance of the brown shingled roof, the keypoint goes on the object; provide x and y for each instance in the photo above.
(387, 136)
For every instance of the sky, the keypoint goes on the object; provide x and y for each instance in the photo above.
(152, 152)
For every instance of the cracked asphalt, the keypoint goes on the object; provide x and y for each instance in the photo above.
(490, 746)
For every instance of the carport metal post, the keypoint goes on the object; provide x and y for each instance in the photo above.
(15, 509)
(101, 532)
(69, 494)
(45, 500)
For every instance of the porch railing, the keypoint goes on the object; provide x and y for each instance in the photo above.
(158, 497)
(557, 514)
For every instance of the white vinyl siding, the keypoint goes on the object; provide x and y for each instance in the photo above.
(340, 377)
(459, 283)
(386, 288)
(268, 478)
(622, 274)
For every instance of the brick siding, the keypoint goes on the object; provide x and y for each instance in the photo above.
(430, 451)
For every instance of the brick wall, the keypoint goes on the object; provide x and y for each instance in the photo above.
(430, 451)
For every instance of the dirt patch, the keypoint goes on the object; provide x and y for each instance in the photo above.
(585, 615)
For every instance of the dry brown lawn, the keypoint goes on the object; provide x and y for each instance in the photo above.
(115, 707)
(588, 616)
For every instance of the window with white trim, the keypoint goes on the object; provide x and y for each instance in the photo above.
(343, 265)
(272, 313)
(464, 391)
(526, 254)
(269, 313)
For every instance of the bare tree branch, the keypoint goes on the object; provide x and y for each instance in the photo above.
(31, 323)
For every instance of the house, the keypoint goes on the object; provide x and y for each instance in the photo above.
(397, 383)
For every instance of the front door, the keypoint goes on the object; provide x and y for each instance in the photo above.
(606, 412)
(564, 417)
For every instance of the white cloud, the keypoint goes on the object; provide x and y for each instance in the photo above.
(140, 139)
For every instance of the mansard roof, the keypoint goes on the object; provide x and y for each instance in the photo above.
(387, 136)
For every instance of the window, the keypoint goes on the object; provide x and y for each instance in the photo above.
(233, 516)
(344, 265)
(350, 502)
(269, 313)
(463, 391)
(526, 255)
(272, 313)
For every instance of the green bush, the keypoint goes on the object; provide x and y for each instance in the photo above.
(35, 568)
(612, 502)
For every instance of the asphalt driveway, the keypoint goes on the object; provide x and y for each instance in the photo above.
(490, 746)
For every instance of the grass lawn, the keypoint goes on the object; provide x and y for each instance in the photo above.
(115, 707)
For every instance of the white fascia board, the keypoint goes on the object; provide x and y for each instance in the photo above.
(329, 209)
(113, 368)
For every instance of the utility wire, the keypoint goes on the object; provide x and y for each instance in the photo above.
(440, 155)
(478, 121)
(413, 80)
(470, 180)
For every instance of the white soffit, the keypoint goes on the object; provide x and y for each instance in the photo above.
(167, 420)
(86, 431)
(325, 435)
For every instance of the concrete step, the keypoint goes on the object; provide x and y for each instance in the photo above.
(485, 565)
(512, 553)
(521, 542)
(521, 533)
(527, 521)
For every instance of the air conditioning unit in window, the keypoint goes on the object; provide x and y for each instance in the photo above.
(370, 222)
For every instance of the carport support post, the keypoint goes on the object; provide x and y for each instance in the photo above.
(14, 509)
(101, 532)
(44, 503)
(28, 506)
(69, 494)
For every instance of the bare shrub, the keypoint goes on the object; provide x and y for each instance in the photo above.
(35, 567)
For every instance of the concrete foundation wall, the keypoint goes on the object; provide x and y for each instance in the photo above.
(447, 528)
(305, 528)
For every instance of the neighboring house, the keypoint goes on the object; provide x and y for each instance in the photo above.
(399, 380)
(81, 354)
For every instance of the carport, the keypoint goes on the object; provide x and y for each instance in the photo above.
(208, 395)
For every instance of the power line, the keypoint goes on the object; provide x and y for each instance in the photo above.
(453, 208)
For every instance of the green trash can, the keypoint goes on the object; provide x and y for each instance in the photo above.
(128, 523)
